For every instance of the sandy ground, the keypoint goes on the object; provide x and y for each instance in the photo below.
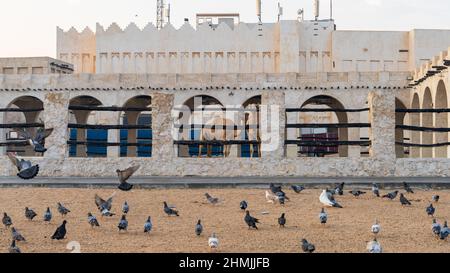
(404, 229)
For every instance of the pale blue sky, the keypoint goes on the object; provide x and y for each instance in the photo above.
(28, 27)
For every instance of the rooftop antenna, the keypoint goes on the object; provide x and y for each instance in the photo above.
(280, 11)
(258, 10)
(301, 15)
(331, 9)
(167, 13)
(159, 14)
(316, 9)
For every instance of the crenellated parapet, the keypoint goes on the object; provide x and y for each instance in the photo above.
(77, 48)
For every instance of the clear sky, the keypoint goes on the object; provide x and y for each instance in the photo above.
(28, 27)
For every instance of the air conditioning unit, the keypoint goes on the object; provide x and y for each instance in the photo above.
(13, 135)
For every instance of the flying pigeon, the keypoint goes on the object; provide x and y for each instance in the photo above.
(170, 211)
(92, 220)
(436, 228)
(123, 224)
(6, 220)
(282, 220)
(125, 208)
(213, 242)
(407, 188)
(26, 169)
(323, 216)
(60, 232)
(212, 200)
(430, 210)
(47, 215)
(375, 190)
(37, 142)
(63, 210)
(243, 205)
(403, 200)
(357, 193)
(445, 231)
(307, 247)
(376, 228)
(327, 199)
(435, 198)
(297, 189)
(374, 246)
(30, 214)
(271, 198)
(102, 204)
(16, 236)
(148, 225)
(124, 176)
(198, 228)
(391, 195)
(107, 213)
(13, 248)
(250, 221)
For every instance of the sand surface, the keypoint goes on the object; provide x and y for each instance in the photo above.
(404, 229)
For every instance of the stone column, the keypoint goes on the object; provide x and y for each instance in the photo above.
(273, 124)
(56, 116)
(132, 134)
(162, 105)
(354, 135)
(81, 117)
(382, 133)
(292, 134)
(2, 135)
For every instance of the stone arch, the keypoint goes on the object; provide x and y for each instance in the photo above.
(251, 118)
(399, 133)
(427, 121)
(414, 118)
(441, 120)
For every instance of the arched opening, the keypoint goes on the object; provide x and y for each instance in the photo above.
(139, 136)
(252, 119)
(427, 121)
(441, 120)
(23, 103)
(414, 118)
(401, 136)
(323, 134)
(86, 142)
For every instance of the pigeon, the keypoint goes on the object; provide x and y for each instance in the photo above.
(327, 199)
(271, 198)
(198, 228)
(250, 221)
(124, 176)
(30, 214)
(125, 208)
(6, 220)
(212, 200)
(274, 188)
(13, 248)
(357, 193)
(47, 215)
(323, 216)
(16, 235)
(123, 224)
(63, 210)
(297, 189)
(307, 247)
(436, 228)
(282, 220)
(391, 195)
(243, 205)
(435, 198)
(102, 204)
(445, 231)
(148, 225)
(213, 242)
(430, 210)
(374, 246)
(60, 232)
(281, 198)
(37, 142)
(376, 228)
(92, 220)
(26, 169)
(407, 188)
(375, 190)
(107, 213)
(170, 211)
(404, 201)
(339, 190)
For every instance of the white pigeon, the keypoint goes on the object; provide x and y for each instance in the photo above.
(374, 247)
(271, 198)
(326, 199)
(376, 228)
(213, 242)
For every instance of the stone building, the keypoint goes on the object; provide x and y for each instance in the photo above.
(34, 65)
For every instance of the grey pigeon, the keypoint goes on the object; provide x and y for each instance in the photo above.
(13, 249)
(407, 188)
(250, 221)
(170, 211)
(63, 210)
(391, 195)
(93, 220)
(404, 201)
(47, 215)
(357, 193)
(282, 220)
(281, 198)
(297, 189)
(124, 176)
(436, 228)
(323, 216)
(212, 200)
(148, 225)
(30, 214)
(375, 190)
(60, 232)
(107, 213)
(274, 188)
(243, 205)
(307, 247)
(26, 170)
(445, 231)
(16, 235)
(430, 210)
(198, 228)
(6, 220)
(37, 142)
(339, 189)
(125, 208)
(435, 198)
(123, 224)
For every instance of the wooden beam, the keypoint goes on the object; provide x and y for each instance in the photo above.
(338, 110)
(328, 125)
